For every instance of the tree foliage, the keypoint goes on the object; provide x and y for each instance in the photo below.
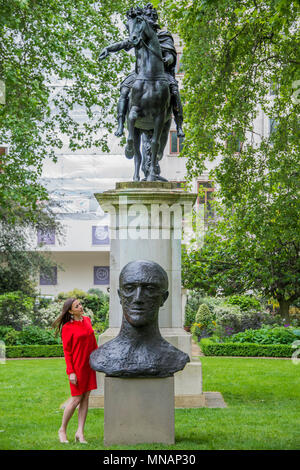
(43, 42)
(242, 58)
(20, 263)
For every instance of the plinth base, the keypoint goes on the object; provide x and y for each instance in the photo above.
(138, 411)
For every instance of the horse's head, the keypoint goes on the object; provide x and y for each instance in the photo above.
(141, 22)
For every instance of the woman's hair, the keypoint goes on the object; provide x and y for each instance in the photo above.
(64, 317)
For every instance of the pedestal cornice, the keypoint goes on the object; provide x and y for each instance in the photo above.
(146, 193)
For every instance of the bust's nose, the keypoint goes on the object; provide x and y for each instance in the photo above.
(138, 295)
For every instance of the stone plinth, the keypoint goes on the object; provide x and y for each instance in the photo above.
(146, 223)
(138, 411)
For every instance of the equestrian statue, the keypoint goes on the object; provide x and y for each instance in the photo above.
(149, 95)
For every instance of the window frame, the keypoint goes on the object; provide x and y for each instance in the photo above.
(178, 143)
(206, 190)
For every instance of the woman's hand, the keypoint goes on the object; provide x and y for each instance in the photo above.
(73, 378)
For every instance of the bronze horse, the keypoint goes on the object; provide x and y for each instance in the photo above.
(149, 113)
(149, 99)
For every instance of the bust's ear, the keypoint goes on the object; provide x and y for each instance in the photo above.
(164, 297)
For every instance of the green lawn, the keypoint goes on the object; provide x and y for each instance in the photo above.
(263, 398)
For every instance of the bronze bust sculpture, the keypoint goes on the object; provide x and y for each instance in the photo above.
(139, 350)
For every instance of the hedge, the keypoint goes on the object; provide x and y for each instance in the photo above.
(49, 350)
(210, 348)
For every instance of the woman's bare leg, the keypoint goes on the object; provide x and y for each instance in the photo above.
(82, 413)
(68, 413)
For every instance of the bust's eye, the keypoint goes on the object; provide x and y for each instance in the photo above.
(128, 288)
(151, 288)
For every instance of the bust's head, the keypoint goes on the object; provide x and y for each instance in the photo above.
(143, 290)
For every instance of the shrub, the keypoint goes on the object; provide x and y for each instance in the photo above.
(92, 301)
(55, 350)
(204, 315)
(16, 310)
(11, 337)
(210, 348)
(214, 303)
(45, 316)
(278, 335)
(4, 330)
(96, 291)
(98, 304)
(35, 335)
(194, 300)
(245, 302)
(30, 335)
(189, 316)
(228, 323)
(100, 327)
(76, 293)
(223, 309)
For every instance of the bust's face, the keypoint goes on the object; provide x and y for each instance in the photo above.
(142, 292)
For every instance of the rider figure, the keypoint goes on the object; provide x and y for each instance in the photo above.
(169, 59)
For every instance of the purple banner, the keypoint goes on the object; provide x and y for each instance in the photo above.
(101, 275)
(49, 278)
(46, 237)
(100, 235)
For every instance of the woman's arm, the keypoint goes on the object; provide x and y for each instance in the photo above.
(66, 337)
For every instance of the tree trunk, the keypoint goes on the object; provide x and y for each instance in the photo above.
(284, 306)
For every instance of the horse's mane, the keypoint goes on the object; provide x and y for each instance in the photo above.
(147, 13)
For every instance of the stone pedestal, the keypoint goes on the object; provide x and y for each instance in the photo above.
(138, 411)
(146, 222)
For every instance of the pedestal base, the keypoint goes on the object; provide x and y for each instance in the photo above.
(138, 411)
(188, 382)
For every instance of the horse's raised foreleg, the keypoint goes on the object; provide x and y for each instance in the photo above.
(132, 117)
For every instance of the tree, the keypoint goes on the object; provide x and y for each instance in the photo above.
(240, 58)
(19, 263)
(237, 257)
(42, 41)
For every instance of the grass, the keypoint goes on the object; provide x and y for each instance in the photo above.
(263, 398)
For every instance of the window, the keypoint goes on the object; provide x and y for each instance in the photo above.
(3, 151)
(2, 92)
(48, 277)
(101, 275)
(235, 142)
(100, 235)
(176, 143)
(272, 125)
(46, 237)
(179, 64)
(205, 190)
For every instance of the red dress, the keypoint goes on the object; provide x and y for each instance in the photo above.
(79, 341)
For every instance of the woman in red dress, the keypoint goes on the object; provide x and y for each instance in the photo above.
(79, 341)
